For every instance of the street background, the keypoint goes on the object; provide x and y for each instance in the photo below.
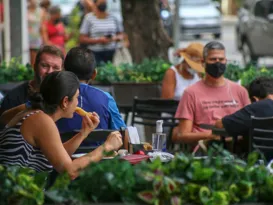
(228, 39)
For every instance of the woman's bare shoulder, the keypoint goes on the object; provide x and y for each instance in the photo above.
(36, 126)
(170, 74)
(38, 118)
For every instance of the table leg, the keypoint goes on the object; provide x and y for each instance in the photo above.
(223, 139)
(126, 117)
(235, 139)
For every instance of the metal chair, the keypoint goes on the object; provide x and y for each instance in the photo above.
(154, 109)
(125, 93)
(261, 136)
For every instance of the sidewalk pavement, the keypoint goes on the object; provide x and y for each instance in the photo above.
(229, 19)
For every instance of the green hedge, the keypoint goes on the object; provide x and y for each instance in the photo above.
(15, 72)
(150, 70)
(219, 179)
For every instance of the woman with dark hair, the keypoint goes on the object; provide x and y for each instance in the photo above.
(31, 139)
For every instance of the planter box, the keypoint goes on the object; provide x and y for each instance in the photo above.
(124, 93)
(5, 88)
(166, 204)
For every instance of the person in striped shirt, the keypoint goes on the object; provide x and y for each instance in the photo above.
(101, 32)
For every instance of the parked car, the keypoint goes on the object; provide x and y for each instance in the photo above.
(198, 17)
(254, 30)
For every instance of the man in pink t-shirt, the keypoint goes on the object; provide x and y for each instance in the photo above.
(209, 99)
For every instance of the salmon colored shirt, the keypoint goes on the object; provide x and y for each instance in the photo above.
(204, 104)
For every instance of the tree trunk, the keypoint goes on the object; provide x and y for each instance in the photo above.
(142, 23)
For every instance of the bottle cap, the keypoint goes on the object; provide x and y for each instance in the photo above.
(159, 126)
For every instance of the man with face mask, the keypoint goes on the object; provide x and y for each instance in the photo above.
(100, 32)
(178, 78)
(209, 99)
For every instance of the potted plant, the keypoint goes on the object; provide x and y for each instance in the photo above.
(21, 186)
(219, 179)
(13, 74)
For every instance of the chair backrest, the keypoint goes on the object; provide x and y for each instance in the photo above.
(125, 93)
(153, 109)
(94, 137)
(261, 135)
(147, 112)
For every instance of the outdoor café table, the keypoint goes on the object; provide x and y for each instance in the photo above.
(222, 133)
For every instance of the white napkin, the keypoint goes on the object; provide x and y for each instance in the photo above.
(133, 135)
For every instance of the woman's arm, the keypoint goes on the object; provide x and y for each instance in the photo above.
(72, 145)
(43, 16)
(44, 35)
(113, 142)
(46, 137)
(67, 36)
(84, 39)
(126, 42)
(7, 116)
(168, 85)
(89, 5)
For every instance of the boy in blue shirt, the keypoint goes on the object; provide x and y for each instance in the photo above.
(81, 61)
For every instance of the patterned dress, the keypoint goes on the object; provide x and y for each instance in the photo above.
(34, 26)
(15, 150)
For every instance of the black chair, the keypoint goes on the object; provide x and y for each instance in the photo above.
(261, 136)
(154, 109)
(99, 135)
(125, 93)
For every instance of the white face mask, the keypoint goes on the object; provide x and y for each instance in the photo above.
(191, 71)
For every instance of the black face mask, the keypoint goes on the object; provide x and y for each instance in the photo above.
(215, 70)
(56, 21)
(102, 7)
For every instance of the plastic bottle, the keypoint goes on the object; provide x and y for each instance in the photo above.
(159, 138)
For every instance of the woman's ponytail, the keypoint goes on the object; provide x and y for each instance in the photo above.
(37, 101)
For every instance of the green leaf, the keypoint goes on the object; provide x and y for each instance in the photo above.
(234, 192)
(204, 194)
(176, 200)
(245, 188)
(252, 158)
(147, 196)
(169, 184)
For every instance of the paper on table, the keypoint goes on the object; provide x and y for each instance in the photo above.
(133, 135)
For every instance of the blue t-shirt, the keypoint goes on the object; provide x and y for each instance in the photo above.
(92, 99)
